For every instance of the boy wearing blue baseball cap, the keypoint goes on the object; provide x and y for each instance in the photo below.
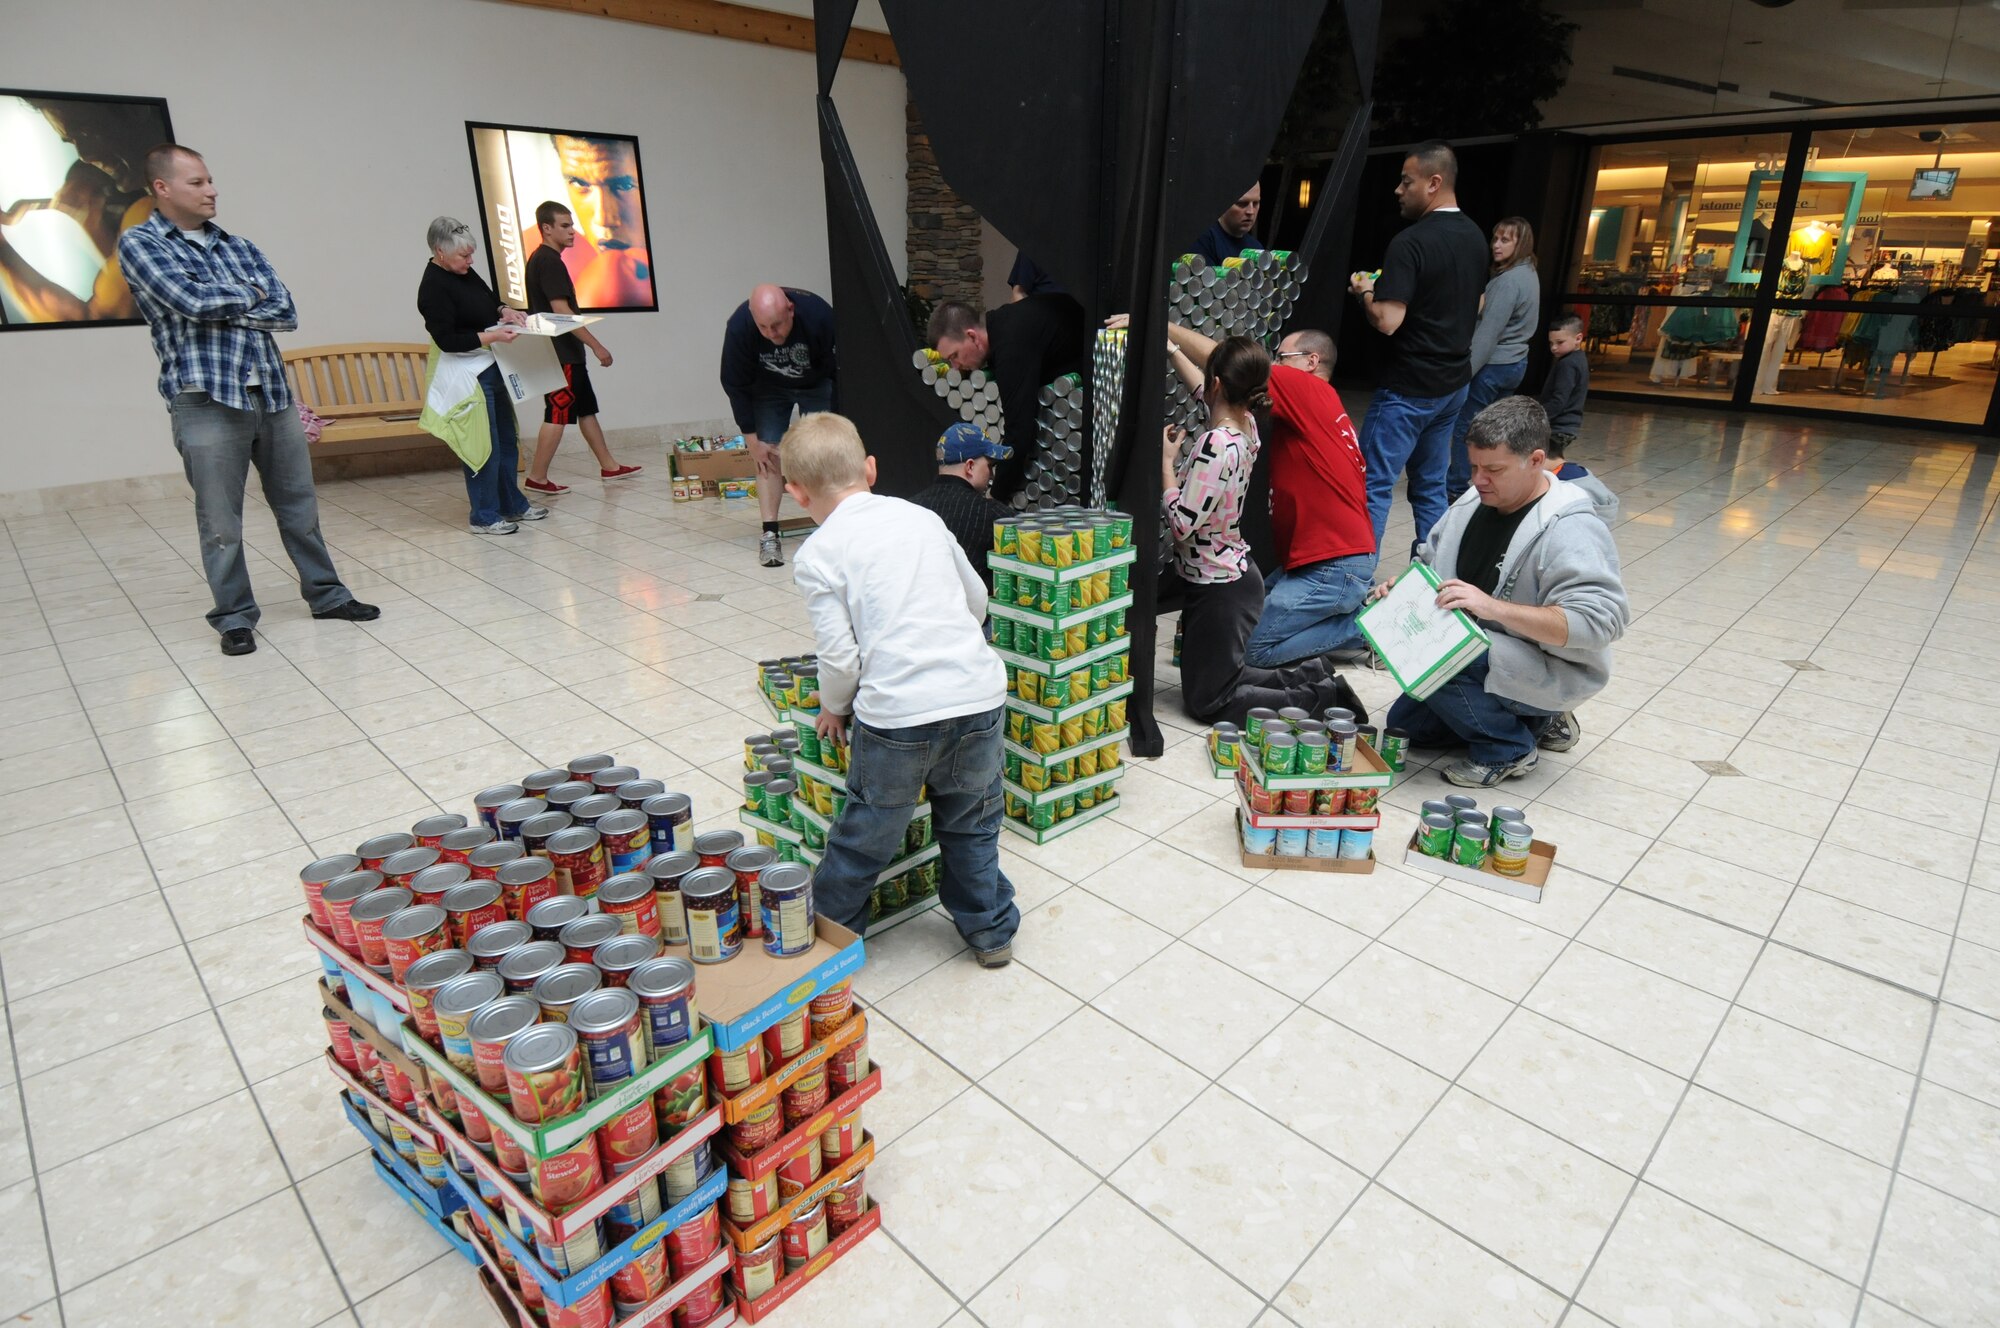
(966, 457)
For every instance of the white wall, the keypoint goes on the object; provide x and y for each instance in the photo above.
(336, 131)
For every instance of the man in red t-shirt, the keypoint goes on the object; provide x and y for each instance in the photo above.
(1319, 509)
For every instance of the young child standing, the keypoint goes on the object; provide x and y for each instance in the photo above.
(1563, 394)
(897, 612)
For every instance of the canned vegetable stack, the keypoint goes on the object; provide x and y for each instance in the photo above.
(1309, 785)
(1455, 830)
(1061, 589)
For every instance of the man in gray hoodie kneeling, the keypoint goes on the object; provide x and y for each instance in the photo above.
(1525, 554)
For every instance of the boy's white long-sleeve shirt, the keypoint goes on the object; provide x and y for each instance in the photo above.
(899, 614)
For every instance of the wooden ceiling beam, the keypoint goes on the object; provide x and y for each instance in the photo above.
(717, 18)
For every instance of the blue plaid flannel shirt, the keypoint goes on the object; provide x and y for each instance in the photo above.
(210, 329)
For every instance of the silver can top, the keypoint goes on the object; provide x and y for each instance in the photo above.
(540, 1048)
(622, 954)
(660, 978)
(604, 1011)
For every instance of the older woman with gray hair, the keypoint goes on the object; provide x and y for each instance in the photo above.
(462, 314)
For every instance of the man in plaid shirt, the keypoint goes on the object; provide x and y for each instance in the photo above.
(213, 302)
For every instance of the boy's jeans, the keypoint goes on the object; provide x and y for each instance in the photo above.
(959, 759)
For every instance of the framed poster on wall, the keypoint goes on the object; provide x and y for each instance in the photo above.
(72, 179)
(597, 178)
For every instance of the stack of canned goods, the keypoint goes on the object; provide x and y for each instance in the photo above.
(975, 395)
(1061, 466)
(1293, 742)
(1455, 830)
(753, 1198)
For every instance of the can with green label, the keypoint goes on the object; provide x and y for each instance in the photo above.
(1225, 744)
(1468, 845)
(809, 742)
(1066, 806)
(1435, 834)
(778, 801)
(1013, 766)
(1003, 633)
(1027, 639)
(1281, 754)
(1055, 596)
(1121, 579)
(1042, 816)
(1395, 748)
(1006, 537)
(1100, 630)
(1100, 675)
(1121, 529)
(1003, 585)
(1253, 724)
(1312, 753)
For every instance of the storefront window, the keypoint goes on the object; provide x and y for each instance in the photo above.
(1669, 214)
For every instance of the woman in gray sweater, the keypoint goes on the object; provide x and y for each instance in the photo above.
(1509, 313)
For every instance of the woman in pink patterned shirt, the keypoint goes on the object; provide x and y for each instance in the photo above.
(1221, 590)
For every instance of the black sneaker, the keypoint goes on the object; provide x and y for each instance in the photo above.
(1561, 733)
(352, 611)
(239, 641)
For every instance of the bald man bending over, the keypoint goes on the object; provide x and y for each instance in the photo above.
(777, 356)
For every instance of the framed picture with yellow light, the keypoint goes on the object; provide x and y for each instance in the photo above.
(1823, 244)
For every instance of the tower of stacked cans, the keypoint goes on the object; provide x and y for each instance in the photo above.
(975, 396)
(1061, 589)
(1063, 460)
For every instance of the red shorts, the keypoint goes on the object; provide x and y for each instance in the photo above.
(577, 401)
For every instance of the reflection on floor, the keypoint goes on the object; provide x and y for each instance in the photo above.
(1950, 386)
(1741, 1066)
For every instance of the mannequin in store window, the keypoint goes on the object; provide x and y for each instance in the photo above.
(1784, 326)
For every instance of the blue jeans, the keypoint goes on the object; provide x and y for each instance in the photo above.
(218, 445)
(771, 409)
(1487, 386)
(1310, 610)
(1412, 433)
(1495, 731)
(888, 769)
(492, 489)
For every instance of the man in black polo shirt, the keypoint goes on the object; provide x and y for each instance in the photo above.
(1023, 346)
(550, 290)
(1426, 301)
(966, 458)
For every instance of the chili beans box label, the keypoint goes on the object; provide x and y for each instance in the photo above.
(766, 1090)
(753, 1311)
(762, 1163)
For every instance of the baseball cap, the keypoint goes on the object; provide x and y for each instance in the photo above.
(963, 442)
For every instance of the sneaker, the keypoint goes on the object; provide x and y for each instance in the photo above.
(352, 611)
(241, 641)
(768, 551)
(1560, 733)
(1468, 773)
(497, 528)
(619, 472)
(1350, 655)
(998, 957)
(534, 485)
(533, 513)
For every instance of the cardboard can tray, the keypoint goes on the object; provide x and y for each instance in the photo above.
(560, 1290)
(1069, 709)
(1341, 866)
(1371, 772)
(1091, 744)
(439, 1200)
(749, 1238)
(762, 1163)
(1529, 885)
(355, 970)
(1000, 608)
(1287, 821)
(767, 1089)
(753, 1311)
(1055, 792)
(553, 1137)
(508, 1305)
(1049, 668)
(1000, 562)
(559, 1227)
(354, 1083)
(437, 1222)
(1104, 808)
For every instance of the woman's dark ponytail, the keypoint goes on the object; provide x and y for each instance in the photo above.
(1243, 369)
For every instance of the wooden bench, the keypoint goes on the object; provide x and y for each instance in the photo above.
(370, 394)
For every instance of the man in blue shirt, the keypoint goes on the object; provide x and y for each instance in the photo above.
(1234, 231)
(213, 301)
(777, 354)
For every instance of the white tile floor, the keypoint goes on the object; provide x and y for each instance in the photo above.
(1742, 1066)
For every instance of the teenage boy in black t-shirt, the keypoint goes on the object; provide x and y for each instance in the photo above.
(550, 290)
(1426, 301)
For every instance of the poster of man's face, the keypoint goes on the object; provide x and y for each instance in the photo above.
(72, 178)
(594, 176)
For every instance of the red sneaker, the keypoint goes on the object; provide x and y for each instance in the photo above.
(620, 473)
(544, 486)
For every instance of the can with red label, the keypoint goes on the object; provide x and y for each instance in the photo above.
(524, 883)
(491, 1030)
(665, 988)
(488, 802)
(608, 779)
(495, 941)
(614, 1045)
(640, 1208)
(666, 871)
(847, 1203)
(454, 1005)
(470, 907)
(759, 1130)
(635, 793)
(757, 1271)
(733, 1071)
(421, 982)
(581, 938)
(432, 884)
(715, 846)
(398, 868)
(583, 767)
(617, 957)
(314, 877)
(430, 831)
(569, 793)
(588, 811)
(628, 897)
(797, 1172)
(368, 1065)
(704, 1305)
(341, 1039)
(787, 1039)
(643, 1280)
(628, 838)
(805, 1236)
(486, 860)
(578, 854)
(454, 845)
(522, 967)
(805, 1097)
(841, 1140)
(374, 852)
(559, 989)
(694, 1242)
(848, 1066)
(545, 1075)
(751, 1201)
(593, 1311)
(366, 916)
(339, 897)
(535, 831)
(510, 818)
(413, 933)
(540, 783)
(685, 1173)
(749, 864)
(549, 917)
(830, 1008)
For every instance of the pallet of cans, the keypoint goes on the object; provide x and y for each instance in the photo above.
(1496, 849)
(1308, 788)
(1061, 589)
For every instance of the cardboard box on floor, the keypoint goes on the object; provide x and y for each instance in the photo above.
(709, 467)
(1528, 885)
